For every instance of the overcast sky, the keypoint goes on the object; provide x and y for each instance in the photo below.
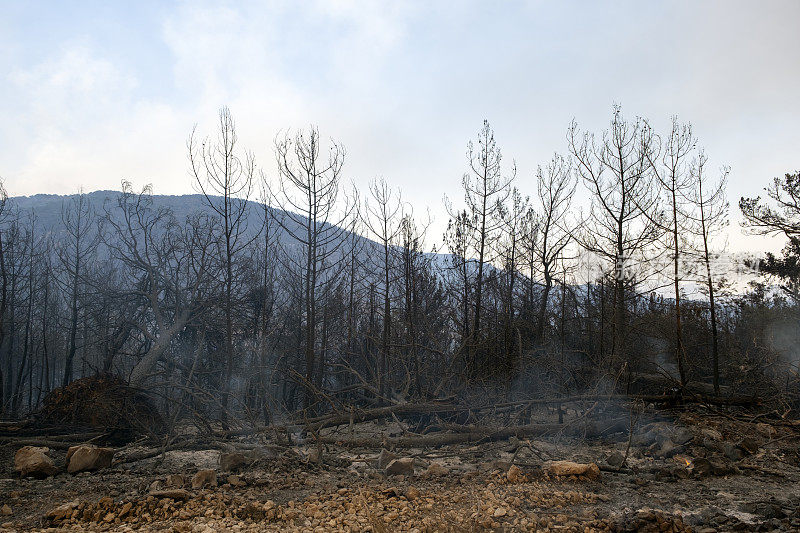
(96, 92)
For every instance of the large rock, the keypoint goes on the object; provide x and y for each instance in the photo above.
(385, 458)
(402, 466)
(569, 468)
(33, 461)
(204, 478)
(87, 458)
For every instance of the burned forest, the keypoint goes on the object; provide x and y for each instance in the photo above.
(570, 347)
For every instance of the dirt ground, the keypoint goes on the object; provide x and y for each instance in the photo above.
(709, 469)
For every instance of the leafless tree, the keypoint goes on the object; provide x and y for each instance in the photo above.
(225, 174)
(670, 165)
(383, 219)
(622, 222)
(457, 240)
(309, 184)
(555, 187)
(485, 191)
(82, 236)
(169, 266)
(3, 278)
(508, 250)
(711, 217)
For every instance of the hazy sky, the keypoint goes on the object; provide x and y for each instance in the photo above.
(94, 92)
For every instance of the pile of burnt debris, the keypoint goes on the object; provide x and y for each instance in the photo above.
(583, 463)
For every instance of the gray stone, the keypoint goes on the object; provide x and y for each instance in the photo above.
(615, 459)
(229, 462)
(385, 458)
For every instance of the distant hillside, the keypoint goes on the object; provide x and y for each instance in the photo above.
(48, 209)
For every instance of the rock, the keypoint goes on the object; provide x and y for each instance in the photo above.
(645, 439)
(6, 510)
(33, 461)
(401, 466)
(731, 451)
(749, 445)
(88, 458)
(701, 467)
(314, 455)
(669, 448)
(385, 458)
(569, 468)
(436, 469)
(236, 481)
(514, 474)
(721, 469)
(204, 478)
(412, 494)
(615, 459)
(230, 462)
(710, 433)
(499, 512)
(126, 508)
(175, 481)
(771, 510)
(62, 511)
(175, 494)
(681, 436)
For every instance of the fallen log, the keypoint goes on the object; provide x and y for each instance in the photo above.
(315, 424)
(53, 444)
(464, 434)
(365, 415)
(742, 401)
(425, 441)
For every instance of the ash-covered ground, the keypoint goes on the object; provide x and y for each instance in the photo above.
(698, 468)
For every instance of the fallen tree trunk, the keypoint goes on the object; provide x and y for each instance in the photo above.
(358, 415)
(53, 444)
(463, 434)
(318, 423)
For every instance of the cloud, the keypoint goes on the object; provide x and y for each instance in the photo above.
(80, 124)
(402, 85)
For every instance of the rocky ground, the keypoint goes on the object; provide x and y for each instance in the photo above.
(703, 470)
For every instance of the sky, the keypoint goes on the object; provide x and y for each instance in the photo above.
(92, 93)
